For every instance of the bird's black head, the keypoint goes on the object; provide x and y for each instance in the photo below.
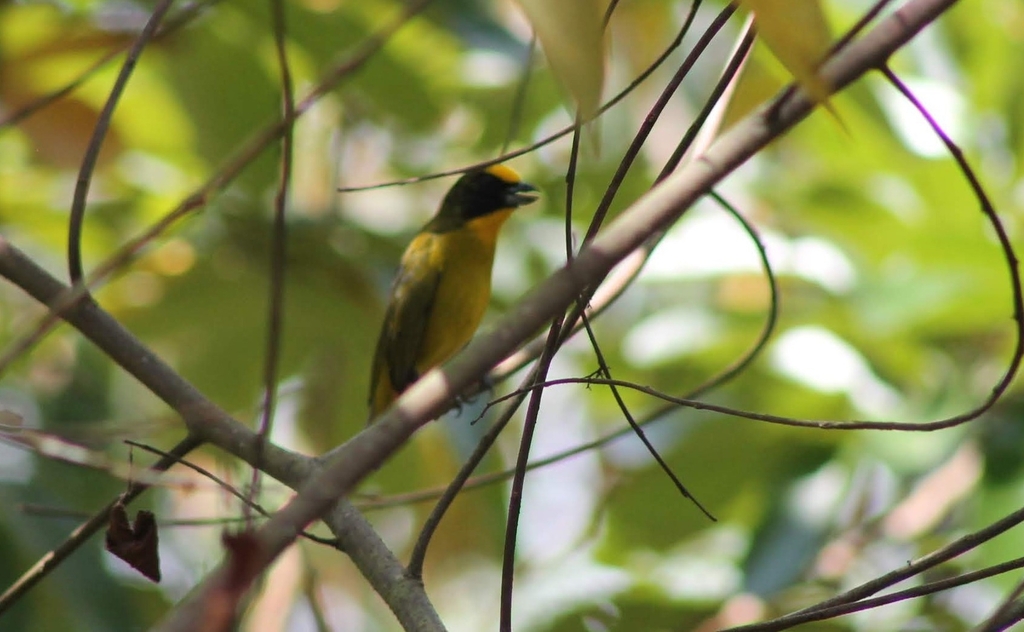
(481, 192)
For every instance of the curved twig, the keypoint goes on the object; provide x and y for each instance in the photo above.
(76, 218)
(278, 251)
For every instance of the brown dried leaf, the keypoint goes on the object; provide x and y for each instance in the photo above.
(136, 543)
(243, 565)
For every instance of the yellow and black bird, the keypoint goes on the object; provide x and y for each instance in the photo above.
(444, 282)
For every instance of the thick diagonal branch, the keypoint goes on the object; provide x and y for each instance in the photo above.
(655, 211)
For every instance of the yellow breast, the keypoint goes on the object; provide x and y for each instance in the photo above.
(465, 258)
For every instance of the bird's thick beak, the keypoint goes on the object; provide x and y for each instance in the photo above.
(521, 194)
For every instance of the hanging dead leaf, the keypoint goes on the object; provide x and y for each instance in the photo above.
(135, 543)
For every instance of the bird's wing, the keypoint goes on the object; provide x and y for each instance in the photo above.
(408, 314)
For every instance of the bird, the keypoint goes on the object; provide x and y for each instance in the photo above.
(443, 285)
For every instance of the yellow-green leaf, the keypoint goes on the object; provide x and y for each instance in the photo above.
(797, 33)
(570, 33)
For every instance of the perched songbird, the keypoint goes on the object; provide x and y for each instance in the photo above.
(444, 283)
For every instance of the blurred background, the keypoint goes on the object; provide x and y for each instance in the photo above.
(894, 304)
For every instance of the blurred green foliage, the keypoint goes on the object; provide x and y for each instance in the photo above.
(894, 301)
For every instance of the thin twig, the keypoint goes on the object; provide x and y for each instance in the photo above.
(58, 513)
(76, 218)
(278, 251)
(1009, 612)
(952, 550)
(727, 78)
(1012, 263)
(247, 502)
(515, 501)
(930, 588)
(446, 496)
